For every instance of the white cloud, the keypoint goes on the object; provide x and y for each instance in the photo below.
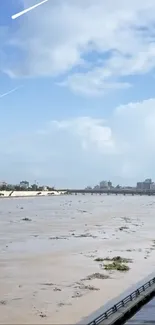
(123, 145)
(83, 150)
(56, 37)
(92, 83)
(93, 133)
(108, 76)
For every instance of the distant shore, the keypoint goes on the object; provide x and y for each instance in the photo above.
(18, 194)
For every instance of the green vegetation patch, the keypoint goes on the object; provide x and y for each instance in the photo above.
(98, 259)
(117, 259)
(117, 263)
(116, 266)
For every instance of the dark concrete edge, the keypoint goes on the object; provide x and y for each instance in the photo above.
(111, 303)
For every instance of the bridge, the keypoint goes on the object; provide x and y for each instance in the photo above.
(113, 191)
(134, 305)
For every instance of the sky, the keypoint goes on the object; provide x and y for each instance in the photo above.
(82, 107)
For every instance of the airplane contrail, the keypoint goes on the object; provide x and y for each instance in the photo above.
(26, 10)
(10, 91)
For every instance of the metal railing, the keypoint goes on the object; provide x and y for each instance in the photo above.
(122, 303)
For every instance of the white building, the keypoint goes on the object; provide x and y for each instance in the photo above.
(44, 188)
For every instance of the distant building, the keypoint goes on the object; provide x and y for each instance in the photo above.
(3, 184)
(140, 185)
(146, 185)
(24, 184)
(44, 188)
(118, 187)
(89, 188)
(110, 184)
(96, 187)
(148, 181)
(152, 186)
(103, 185)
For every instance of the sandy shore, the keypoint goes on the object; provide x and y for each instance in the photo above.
(47, 260)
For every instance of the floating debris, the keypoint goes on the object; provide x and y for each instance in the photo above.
(93, 276)
(77, 295)
(42, 315)
(3, 302)
(26, 219)
(47, 284)
(56, 289)
(123, 228)
(57, 238)
(87, 235)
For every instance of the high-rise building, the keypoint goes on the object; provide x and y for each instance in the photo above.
(109, 184)
(148, 180)
(140, 185)
(146, 185)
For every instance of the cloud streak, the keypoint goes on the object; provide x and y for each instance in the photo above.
(27, 10)
(10, 91)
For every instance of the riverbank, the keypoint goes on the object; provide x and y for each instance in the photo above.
(5, 194)
(53, 253)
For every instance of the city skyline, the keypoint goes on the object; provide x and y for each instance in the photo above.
(84, 103)
(104, 184)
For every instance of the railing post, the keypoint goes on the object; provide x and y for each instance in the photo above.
(137, 292)
(115, 308)
(106, 315)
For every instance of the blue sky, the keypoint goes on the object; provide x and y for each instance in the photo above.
(85, 107)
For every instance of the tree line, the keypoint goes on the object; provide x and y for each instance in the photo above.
(33, 187)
